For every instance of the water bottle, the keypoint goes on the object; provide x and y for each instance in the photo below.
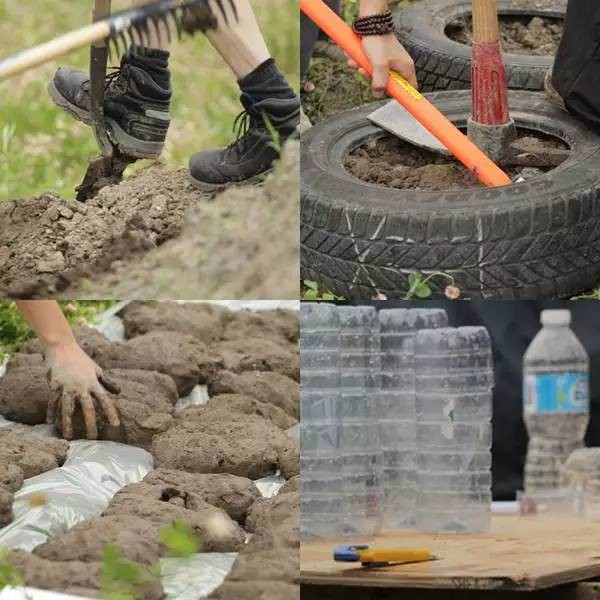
(320, 456)
(555, 400)
(362, 502)
(454, 383)
(398, 414)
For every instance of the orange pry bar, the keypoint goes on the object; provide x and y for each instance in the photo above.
(416, 104)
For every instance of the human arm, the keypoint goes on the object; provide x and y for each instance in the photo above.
(73, 376)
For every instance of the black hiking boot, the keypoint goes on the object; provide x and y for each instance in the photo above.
(270, 117)
(136, 101)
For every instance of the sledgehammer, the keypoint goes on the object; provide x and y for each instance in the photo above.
(490, 126)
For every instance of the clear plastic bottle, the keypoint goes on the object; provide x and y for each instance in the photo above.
(320, 456)
(398, 413)
(454, 382)
(555, 400)
(362, 504)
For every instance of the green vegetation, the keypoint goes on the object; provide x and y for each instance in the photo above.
(9, 576)
(42, 149)
(14, 331)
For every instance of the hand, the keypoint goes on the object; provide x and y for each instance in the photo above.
(386, 53)
(74, 377)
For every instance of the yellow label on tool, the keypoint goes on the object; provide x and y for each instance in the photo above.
(407, 87)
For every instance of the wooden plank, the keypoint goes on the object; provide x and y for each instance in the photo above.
(516, 554)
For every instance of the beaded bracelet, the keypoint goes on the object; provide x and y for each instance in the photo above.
(380, 24)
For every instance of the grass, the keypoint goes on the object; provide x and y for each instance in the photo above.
(43, 149)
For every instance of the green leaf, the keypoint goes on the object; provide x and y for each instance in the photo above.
(180, 540)
(422, 290)
(311, 285)
(328, 296)
(414, 279)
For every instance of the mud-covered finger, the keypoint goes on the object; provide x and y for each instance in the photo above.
(109, 384)
(55, 395)
(108, 406)
(67, 403)
(89, 416)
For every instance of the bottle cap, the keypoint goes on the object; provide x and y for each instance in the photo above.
(556, 317)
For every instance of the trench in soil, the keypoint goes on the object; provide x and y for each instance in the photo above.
(537, 36)
(391, 162)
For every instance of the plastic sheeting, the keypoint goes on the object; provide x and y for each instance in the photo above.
(81, 489)
(196, 577)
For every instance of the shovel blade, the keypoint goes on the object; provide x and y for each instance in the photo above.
(395, 119)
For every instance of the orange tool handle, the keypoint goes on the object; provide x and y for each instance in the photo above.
(416, 104)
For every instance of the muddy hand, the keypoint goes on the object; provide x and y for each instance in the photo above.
(75, 378)
(386, 53)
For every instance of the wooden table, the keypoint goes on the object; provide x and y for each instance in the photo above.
(518, 553)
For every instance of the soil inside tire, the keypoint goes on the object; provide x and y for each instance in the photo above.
(395, 163)
(538, 36)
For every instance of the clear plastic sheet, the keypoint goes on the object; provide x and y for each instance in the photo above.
(79, 490)
(196, 577)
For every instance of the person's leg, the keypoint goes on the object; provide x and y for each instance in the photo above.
(270, 104)
(576, 72)
(137, 97)
(309, 35)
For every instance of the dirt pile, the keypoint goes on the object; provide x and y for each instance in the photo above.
(23, 455)
(392, 162)
(537, 36)
(213, 440)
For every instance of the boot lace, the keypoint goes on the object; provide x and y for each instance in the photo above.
(118, 79)
(242, 126)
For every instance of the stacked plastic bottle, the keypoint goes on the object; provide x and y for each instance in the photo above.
(362, 504)
(398, 414)
(320, 457)
(454, 382)
(556, 400)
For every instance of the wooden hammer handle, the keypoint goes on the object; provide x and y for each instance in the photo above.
(485, 22)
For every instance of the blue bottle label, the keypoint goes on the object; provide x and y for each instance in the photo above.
(556, 393)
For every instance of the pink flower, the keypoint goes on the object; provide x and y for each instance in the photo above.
(452, 292)
(379, 297)
(70, 308)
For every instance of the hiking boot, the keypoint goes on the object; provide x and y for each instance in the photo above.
(136, 102)
(270, 117)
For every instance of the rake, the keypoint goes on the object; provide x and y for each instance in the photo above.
(114, 33)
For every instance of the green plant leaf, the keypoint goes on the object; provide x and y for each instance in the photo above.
(179, 539)
(311, 285)
(422, 290)
(414, 279)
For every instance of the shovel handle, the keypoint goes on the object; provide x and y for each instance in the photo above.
(416, 104)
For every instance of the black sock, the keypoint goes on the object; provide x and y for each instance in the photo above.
(266, 81)
(152, 60)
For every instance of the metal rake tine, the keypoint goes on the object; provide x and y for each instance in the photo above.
(157, 28)
(178, 20)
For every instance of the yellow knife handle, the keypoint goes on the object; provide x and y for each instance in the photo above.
(394, 555)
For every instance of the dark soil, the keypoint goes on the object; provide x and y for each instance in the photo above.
(137, 238)
(392, 162)
(538, 36)
(221, 442)
(271, 388)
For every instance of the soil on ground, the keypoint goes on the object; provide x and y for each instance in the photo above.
(392, 162)
(136, 239)
(534, 36)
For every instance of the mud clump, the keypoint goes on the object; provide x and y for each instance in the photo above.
(6, 513)
(290, 486)
(275, 324)
(270, 590)
(145, 404)
(86, 541)
(31, 454)
(537, 36)
(159, 505)
(218, 441)
(234, 495)
(289, 458)
(205, 322)
(273, 512)
(267, 387)
(392, 162)
(74, 577)
(252, 406)
(256, 354)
